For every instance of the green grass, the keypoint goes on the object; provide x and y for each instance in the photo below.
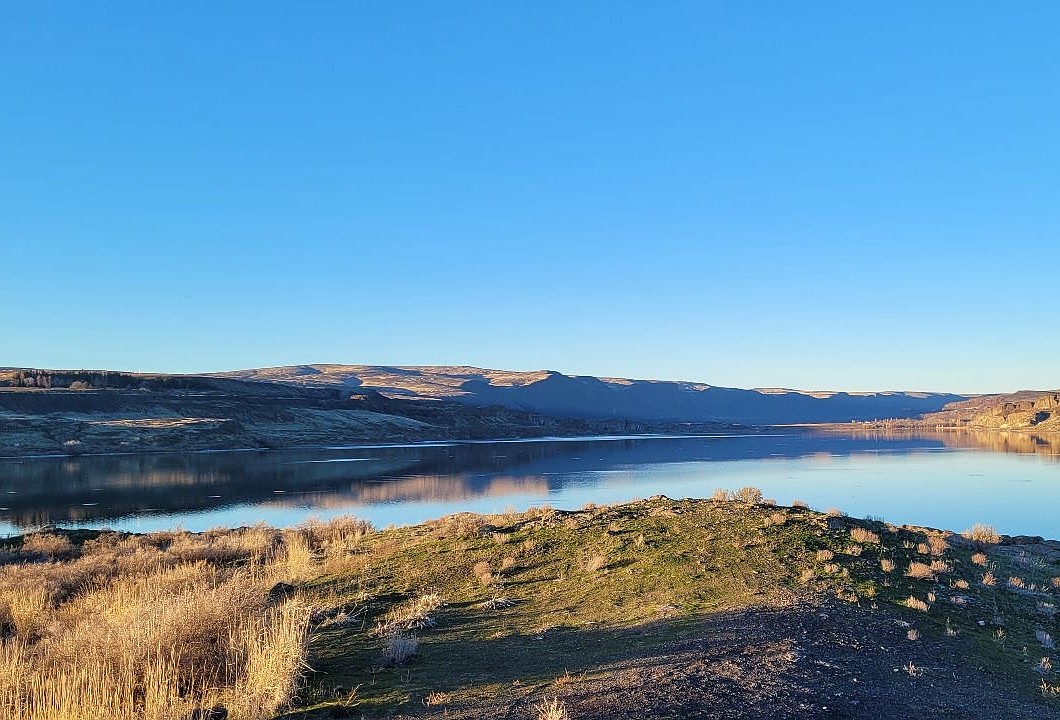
(668, 563)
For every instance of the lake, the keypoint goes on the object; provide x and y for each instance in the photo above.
(948, 480)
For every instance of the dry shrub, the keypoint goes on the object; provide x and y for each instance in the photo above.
(825, 555)
(720, 495)
(960, 584)
(596, 563)
(913, 634)
(47, 544)
(414, 615)
(541, 511)
(982, 535)
(344, 530)
(920, 571)
(979, 559)
(937, 545)
(940, 567)
(399, 649)
(854, 550)
(497, 603)
(923, 548)
(750, 495)
(988, 579)
(1055, 582)
(865, 537)
(834, 513)
(296, 560)
(887, 565)
(800, 504)
(915, 604)
(831, 568)
(484, 572)
(551, 709)
(436, 698)
(1016, 583)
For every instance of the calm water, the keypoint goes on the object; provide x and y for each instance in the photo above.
(1011, 481)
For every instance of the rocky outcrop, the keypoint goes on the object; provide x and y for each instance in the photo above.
(1023, 410)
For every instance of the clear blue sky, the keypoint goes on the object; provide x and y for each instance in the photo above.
(815, 195)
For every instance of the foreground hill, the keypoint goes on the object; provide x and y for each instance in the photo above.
(574, 396)
(722, 608)
(1013, 411)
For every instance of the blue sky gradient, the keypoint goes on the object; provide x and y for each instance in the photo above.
(816, 195)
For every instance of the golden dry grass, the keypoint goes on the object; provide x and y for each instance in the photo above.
(864, 536)
(982, 534)
(158, 626)
(920, 571)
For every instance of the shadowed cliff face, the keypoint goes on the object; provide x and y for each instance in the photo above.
(571, 396)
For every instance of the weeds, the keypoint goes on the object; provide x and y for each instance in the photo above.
(982, 535)
(551, 709)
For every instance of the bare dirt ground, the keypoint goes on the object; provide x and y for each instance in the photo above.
(794, 659)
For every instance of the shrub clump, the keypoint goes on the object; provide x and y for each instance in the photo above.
(982, 535)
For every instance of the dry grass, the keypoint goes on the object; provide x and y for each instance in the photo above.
(47, 544)
(982, 535)
(915, 604)
(937, 545)
(398, 649)
(920, 571)
(750, 495)
(940, 567)
(551, 709)
(158, 626)
(864, 537)
(596, 563)
(484, 572)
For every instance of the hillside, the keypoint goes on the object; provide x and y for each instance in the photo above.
(724, 608)
(574, 396)
(49, 411)
(1026, 409)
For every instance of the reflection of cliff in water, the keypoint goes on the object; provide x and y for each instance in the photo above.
(1001, 441)
(422, 488)
(98, 489)
(41, 491)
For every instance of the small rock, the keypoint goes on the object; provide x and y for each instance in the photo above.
(280, 591)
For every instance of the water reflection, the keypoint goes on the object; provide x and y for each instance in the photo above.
(409, 483)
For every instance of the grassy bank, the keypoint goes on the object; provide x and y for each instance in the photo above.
(524, 615)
